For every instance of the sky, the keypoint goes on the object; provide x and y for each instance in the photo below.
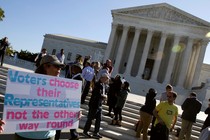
(27, 21)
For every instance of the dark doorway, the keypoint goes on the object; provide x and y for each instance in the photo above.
(148, 69)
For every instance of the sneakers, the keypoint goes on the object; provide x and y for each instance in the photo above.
(97, 136)
(86, 135)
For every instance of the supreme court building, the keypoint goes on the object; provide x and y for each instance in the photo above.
(154, 45)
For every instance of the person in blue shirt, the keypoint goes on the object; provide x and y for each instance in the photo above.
(88, 75)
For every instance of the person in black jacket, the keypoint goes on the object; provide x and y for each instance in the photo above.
(207, 121)
(114, 89)
(95, 106)
(146, 113)
(121, 99)
(191, 107)
(3, 46)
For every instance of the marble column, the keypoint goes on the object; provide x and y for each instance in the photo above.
(185, 62)
(192, 66)
(111, 42)
(145, 53)
(159, 56)
(199, 64)
(132, 51)
(121, 48)
(171, 61)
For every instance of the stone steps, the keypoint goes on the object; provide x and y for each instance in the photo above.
(130, 117)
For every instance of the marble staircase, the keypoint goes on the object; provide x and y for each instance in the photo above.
(130, 117)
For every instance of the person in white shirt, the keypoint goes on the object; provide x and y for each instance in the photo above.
(61, 56)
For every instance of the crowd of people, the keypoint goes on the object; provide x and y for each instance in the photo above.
(96, 77)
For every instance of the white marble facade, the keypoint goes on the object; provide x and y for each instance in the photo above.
(74, 46)
(150, 46)
(158, 43)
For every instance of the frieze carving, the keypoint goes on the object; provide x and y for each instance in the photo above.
(164, 13)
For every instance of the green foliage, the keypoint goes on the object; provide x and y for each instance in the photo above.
(1, 14)
(10, 51)
(26, 55)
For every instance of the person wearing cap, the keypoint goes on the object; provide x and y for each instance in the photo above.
(79, 60)
(88, 75)
(95, 107)
(166, 116)
(76, 70)
(120, 103)
(191, 107)
(49, 65)
(146, 113)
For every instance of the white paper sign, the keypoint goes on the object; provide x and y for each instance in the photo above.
(35, 102)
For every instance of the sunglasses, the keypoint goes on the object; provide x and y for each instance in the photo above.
(56, 66)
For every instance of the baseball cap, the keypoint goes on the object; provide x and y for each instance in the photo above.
(105, 75)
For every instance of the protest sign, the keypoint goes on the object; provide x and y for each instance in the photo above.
(36, 102)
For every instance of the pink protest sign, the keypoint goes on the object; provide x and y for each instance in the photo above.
(35, 102)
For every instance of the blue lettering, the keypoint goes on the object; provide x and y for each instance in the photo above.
(8, 99)
(13, 77)
(21, 79)
(44, 82)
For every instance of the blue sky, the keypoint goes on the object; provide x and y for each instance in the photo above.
(27, 21)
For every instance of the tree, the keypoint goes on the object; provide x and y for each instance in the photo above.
(1, 14)
(26, 55)
(10, 51)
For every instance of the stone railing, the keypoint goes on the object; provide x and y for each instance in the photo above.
(19, 62)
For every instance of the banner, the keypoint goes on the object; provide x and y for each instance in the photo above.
(36, 102)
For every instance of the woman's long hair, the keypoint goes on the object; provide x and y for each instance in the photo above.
(41, 69)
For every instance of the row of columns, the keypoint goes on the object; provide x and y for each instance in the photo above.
(185, 63)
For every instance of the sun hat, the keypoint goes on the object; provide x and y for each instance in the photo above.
(51, 59)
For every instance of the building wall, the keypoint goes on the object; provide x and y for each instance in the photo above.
(205, 73)
(73, 46)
